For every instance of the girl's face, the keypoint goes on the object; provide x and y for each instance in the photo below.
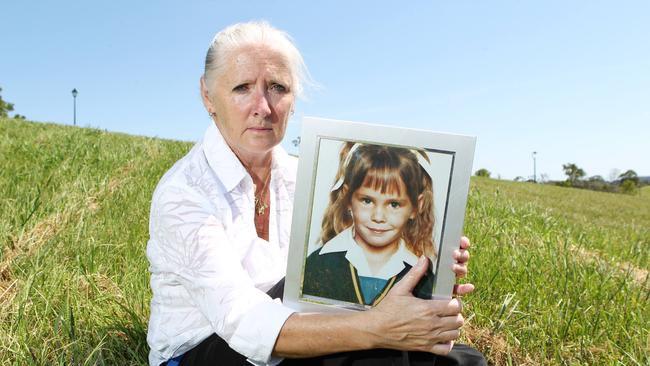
(380, 217)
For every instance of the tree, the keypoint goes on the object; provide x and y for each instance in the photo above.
(631, 176)
(5, 107)
(482, 173)
(628, 187)
(573, 172)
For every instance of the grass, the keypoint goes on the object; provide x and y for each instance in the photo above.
(557, 269)
(74, 218)
(558, 274)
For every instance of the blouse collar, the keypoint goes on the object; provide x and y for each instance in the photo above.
(227, 166)
(344, 242)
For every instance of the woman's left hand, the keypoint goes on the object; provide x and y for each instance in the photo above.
(461, 256)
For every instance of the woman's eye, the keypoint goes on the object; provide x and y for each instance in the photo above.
(279, 88)
(240, 88)
(394, 204)
(366, 201)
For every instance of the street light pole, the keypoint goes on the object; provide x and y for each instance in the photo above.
(74, 98)
(534, 166)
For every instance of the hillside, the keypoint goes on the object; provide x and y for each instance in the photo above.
(561, 273)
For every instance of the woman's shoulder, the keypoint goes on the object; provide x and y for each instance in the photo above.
(191, 174)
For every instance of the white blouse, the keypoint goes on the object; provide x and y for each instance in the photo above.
(209, 270)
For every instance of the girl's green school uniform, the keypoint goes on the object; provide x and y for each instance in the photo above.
(339, 271)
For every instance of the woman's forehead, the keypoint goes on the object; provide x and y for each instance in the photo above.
(251, 61)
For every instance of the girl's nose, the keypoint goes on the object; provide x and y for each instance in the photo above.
(378, 214)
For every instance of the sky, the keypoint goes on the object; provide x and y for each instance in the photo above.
(569, 80)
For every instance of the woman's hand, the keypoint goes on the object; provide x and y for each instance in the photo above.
(461, 256)
(402, 321)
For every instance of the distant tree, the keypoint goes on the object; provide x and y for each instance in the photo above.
(628, 186)
(519, 179)
(19, 116)
(482, 173)
(573, 172)
(629, 175)
(5, 107)
(596, 178)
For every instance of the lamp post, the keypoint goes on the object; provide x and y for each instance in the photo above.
(534, 166)
(74, 98)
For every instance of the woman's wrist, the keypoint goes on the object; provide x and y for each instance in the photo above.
(370, 329)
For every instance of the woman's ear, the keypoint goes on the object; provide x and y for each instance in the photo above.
(205, 96)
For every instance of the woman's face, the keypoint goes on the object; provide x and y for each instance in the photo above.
(380, 217)
(252, 99)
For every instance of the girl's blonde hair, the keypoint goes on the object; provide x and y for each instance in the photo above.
(381, 168)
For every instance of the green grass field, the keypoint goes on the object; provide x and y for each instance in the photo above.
(561, 274)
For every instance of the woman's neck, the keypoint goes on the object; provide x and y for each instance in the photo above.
(257, 166)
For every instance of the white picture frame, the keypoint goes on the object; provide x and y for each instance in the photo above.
(448, 162)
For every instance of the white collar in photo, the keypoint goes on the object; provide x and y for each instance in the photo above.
(344, 242)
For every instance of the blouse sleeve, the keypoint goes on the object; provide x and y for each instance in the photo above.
(192, 246)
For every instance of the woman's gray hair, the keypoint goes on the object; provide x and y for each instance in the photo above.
(240, 35)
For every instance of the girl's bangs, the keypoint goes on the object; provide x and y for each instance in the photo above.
(384, 180)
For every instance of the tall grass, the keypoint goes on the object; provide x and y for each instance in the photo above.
(556, 269)
(74, 213)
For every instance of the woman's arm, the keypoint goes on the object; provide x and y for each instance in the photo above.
(428, 325)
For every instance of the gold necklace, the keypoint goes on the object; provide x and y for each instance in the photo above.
(260, 205)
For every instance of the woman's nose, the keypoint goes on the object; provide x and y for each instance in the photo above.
(261, 105)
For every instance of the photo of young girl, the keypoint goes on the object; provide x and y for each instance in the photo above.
(379, 220)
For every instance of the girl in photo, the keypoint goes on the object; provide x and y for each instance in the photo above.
(378, 222)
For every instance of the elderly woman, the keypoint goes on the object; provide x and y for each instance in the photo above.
(219, 235)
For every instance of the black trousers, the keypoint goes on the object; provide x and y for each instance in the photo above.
(215, 351)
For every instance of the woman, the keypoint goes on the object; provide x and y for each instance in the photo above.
(219, 234)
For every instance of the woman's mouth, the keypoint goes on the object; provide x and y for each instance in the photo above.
(260, 129)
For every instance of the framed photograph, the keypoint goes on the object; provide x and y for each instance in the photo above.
(370, 201)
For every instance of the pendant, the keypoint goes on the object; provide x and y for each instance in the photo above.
(260, 207)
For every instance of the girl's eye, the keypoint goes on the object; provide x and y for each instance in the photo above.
(366, 200)
(394, 204)
(240, 88)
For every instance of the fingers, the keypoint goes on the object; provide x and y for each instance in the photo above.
(461, 255)
(451, 307)
(459, 270)
(463, 289)
(442, 349)
(464, 242)
(407, 283)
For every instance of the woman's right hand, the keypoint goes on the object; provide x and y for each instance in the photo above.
(405, 322)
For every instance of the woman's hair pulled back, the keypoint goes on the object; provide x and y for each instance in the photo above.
(254, 33)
